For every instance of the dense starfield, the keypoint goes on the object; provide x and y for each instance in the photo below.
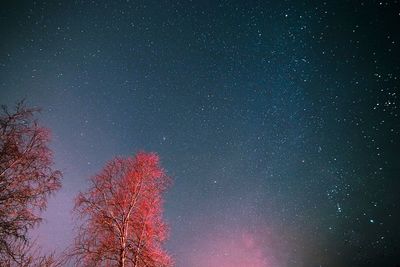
(277, 120)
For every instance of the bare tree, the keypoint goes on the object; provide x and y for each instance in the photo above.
(27, 178)
(122, 215)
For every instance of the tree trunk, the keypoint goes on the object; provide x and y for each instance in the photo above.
(121, 258)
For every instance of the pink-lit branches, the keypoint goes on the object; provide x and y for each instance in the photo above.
(27, 178)
(122, 214)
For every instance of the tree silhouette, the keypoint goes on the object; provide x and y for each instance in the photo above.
(26, 179)
(122, 215)
(29, 254)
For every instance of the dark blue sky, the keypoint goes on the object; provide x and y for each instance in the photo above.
(278, 120)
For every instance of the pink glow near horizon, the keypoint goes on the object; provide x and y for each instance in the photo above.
(235, 249)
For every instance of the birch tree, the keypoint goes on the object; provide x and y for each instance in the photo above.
(122, 215)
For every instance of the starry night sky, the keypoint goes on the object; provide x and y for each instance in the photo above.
(278, 120)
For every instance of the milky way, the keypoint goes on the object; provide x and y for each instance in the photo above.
(278, 121)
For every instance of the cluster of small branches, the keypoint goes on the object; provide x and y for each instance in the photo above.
(27, 179)
(29, 254)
